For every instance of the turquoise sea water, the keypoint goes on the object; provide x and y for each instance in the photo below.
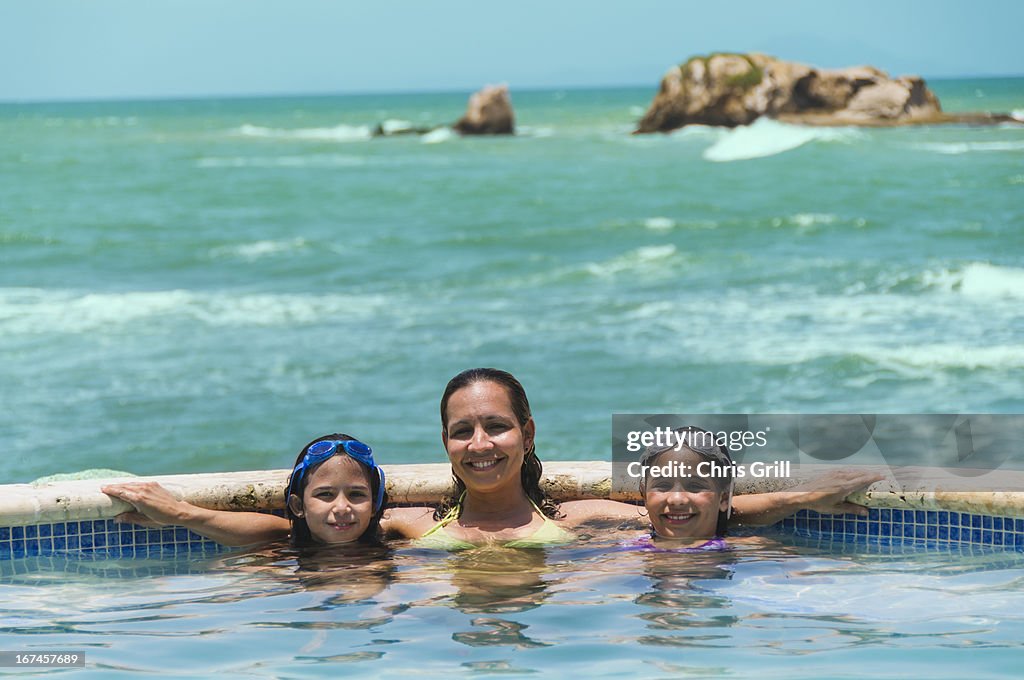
(206, 285)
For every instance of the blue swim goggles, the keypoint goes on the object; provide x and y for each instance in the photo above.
(320, 451)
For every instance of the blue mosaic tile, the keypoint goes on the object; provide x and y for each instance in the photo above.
(975, 536)
(943, 533)
(73, 542)
(976, 521)
(954, 533)
(58, 529)
(997, 538)
(986, 522)
(920, 531)
(60, 544)
(885, 529)
(5, 533)
(100, 540)
(932, 516)
(919, 516)
(31, 532)
(986, 536)
(908, 531)
(86, 541)
(997, 523)
(931, 531)
(885, 515)
(45, 530)
(71, 528)
(874, 528)
(17, 533)
(944, 518)
(1018, 526)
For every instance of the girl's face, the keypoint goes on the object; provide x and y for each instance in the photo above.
(337, 502)
(683, 507)
(485, 443)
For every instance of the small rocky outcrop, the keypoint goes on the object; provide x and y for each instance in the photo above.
(489, 112)
(737, 89)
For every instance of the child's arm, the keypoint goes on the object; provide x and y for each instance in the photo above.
(825, 494)
(155, 506)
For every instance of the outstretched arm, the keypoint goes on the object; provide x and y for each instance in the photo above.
(155, 506)
(825, 494)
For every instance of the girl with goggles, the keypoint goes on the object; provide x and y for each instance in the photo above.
(336, 494)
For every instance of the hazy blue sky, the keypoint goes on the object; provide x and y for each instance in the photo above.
(85, 49)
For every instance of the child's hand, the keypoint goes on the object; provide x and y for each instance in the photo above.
(154, 505)
(827, 493)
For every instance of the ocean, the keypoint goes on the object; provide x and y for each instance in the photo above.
(193, 286)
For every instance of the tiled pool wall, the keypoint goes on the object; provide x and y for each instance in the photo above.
(896, 527)
(883, 527)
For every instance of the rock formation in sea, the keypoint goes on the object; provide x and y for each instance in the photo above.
(736, 89)
(489, 112)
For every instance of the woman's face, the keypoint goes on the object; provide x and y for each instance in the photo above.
(485, 443)
(337, 502)
(683, 507)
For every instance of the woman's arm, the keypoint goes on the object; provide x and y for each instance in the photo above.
(155, 506)
(407, 522)
(825, 494)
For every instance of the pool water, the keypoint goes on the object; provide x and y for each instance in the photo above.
(778, 606)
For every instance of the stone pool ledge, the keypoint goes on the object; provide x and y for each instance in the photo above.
(918, 489)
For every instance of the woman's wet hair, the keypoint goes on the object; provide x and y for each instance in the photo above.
(702, 444)
(301, 535)
(532, 469)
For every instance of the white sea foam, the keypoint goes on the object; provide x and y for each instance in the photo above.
(317, 161)
(339, 133)
(259, 249)
(393, 125)
(811, 219)
(659, 223)
(1017, 114)
(33, 311)
(980, 280)
(536, 132)
(641, 259)
(442, 134)
(699, 131)
(765, 137)
(957, 148)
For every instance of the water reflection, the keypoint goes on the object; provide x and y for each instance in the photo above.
(498, 581)
(681, 599)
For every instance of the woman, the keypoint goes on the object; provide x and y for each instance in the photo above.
(336, 495)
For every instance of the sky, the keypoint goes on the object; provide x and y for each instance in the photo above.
(141, 49)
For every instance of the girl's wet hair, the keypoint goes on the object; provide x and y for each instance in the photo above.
(701, 443)
(301, 536)
(532, 469)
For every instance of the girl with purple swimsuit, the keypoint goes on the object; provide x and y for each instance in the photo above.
(689, 512)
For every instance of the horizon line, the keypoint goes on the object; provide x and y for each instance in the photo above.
(372, 92)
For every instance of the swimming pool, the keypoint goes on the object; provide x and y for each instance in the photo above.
(795, 607)
(818, 596)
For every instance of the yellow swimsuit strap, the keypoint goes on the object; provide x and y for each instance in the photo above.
(549, 533)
